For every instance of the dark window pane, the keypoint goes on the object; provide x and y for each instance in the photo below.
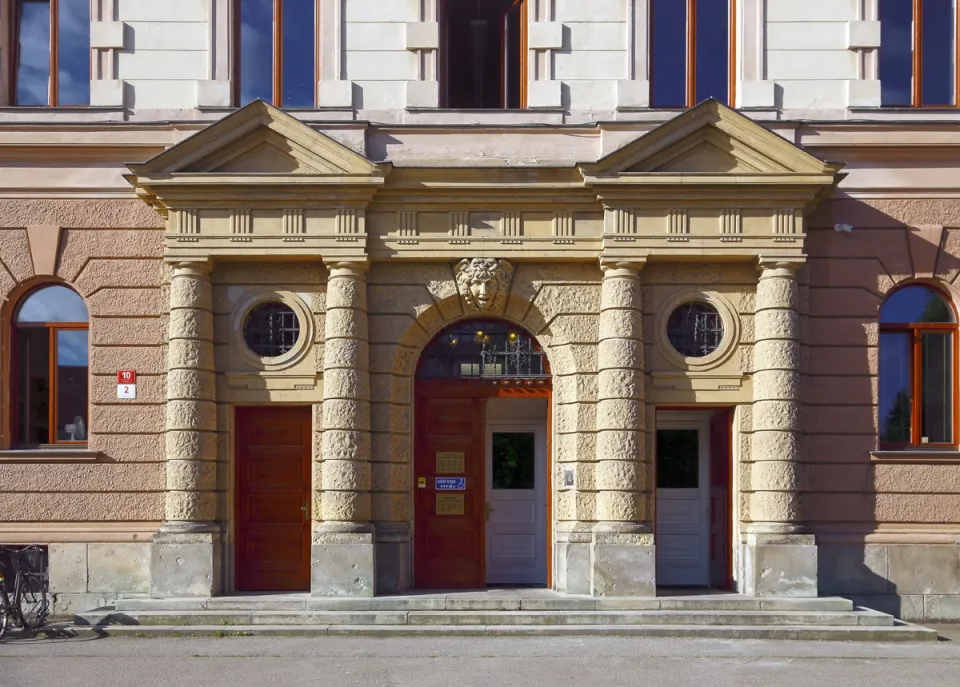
(713, 50)
(52, 304)
(938, 52)
(73, 52)
(33, 65)
(669, 53)
(483, 350)
(33, 385)
(936, 412)
(72, 364)
(678, 459)
(695, 329)
(514, 460)
(256, 50)
(916, 304)
(271, 329)
(299, 53)
(474, 52)
(513, 73)
(895, 409)
(896, 52)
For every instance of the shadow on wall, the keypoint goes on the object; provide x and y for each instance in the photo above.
(849, 493)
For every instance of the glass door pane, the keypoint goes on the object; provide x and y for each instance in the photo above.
(72, 366)
(678, 459)
(514, 460)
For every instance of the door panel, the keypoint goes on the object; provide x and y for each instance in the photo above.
(273, 498)
(682, 528)
(449, 542)
(516, 537)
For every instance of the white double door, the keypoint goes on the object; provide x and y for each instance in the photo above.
(683, 499)
(516, 502)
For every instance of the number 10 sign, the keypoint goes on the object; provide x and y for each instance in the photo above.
(126, 384)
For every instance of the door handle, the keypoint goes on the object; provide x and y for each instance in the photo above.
(490, 509)
(305, 509)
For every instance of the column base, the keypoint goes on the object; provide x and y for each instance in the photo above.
(780, 565)
(393, 558)
(624, 564)
(343, 563)
(185, 564)
(573, 565)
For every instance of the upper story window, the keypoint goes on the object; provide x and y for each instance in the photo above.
(691, 54)
(51, 52)
(49, 367)
(917, 405)
(918, 53)
(482, 48)
(277, 56)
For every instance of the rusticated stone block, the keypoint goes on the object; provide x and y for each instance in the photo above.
(619, 506)
(620, 293)
(191, 475)
(109, 302)
(346, 324)
(576, 418)
(341, 444)
(346, 292)
(349, 353)
(618, 474)
(345, 475)
(577, 446)
(925, 568)
(184, 384)
(346, 414)
(191, 415)
(190, 506)
(390, 507)
(620, 353)
(185, 565)
(773, 506)
(620, 324)
(853, 569)
(345, 506)
(626, 414)
(772, 445)
(119, 568)
(777, 324)
(776, 415)
(624, 570)
(780, 475)
(776, 385)
(189, 354)
(780, 569)
(619, 383)
(191, 323)
(776, 354)
(390, 476)
(776, 292)
(390, 447)
(191, 445)
(624, 445)
(128, 331)
(344, 569)
(190, 292)
(68, 568)
(346, 384)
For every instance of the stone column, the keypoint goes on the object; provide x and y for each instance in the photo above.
(623, 553)
(343, 561)
(185, 555)
(780, 560)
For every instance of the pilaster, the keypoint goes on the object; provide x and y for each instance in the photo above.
(343, 557)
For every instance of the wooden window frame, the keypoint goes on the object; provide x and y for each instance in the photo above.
(443, 69)
(277, 99)
(917, 81)
(14, 389)
(915, 331)
(13, 54)
(691, 90)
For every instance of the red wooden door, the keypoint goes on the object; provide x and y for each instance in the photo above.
(450, 525)
(273, 498)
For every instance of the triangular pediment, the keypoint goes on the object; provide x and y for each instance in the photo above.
(258, 139)
(709, 139)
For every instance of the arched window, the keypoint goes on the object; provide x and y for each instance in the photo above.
(483, 350)
(917, 405)
(49, 368)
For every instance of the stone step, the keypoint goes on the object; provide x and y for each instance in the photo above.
(490, 618)
(854, 633)
(458, 602)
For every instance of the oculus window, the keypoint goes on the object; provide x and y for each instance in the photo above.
(276, 52)
(51, 53)
(50, 367)
(917, 404)
(691, 53)
(918, 53)
(695, 329)
(271, 329)
(482, 48)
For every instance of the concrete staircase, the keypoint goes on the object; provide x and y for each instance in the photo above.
(502, 613)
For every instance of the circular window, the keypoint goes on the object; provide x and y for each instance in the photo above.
(271, 329)
(695, 329)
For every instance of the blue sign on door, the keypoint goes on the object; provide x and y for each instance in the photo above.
(451, 483)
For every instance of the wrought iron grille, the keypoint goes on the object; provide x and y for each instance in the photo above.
(483, 350)
(695, 329)
(271, 329)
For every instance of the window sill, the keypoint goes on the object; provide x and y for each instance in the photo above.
(50, 455)
(916, 455)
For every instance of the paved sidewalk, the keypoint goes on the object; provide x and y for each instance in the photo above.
(495, 662)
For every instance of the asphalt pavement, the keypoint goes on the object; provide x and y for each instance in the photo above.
(345, 662)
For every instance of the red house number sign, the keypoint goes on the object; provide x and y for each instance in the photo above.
(126, 384)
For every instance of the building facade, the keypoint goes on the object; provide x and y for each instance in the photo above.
(356, 297)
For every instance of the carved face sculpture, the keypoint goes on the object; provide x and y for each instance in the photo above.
(483, 282)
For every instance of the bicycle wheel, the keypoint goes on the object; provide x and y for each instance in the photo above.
(4, 621)
(32, 602)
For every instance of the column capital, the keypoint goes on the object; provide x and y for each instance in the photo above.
(348, 268)
(198, 269)
(779, 266)
(619, 267)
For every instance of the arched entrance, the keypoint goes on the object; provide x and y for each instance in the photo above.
(482, 439)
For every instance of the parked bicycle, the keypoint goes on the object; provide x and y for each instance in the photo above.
(24, 600)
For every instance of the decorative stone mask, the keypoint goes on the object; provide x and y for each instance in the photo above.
(484, 282)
